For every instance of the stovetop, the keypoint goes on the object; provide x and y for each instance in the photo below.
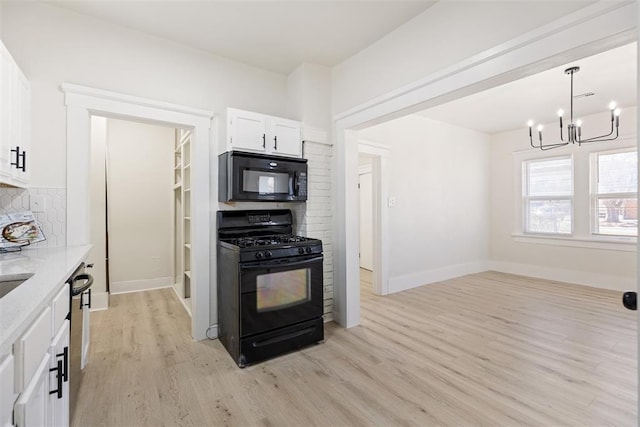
(270, 241)
(263, 235)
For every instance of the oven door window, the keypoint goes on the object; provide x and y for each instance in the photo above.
(285, 289)
(264, 182)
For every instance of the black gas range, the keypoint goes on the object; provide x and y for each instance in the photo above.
(270, 287)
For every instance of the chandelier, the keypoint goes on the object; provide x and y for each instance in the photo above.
(574, 129)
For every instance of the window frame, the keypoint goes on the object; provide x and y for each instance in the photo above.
(594, 194)
(526, 198)
(581, 223)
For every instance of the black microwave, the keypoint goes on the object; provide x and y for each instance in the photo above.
(244, 177)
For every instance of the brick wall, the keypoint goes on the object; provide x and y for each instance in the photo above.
(314, 218)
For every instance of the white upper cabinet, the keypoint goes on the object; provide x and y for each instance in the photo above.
(260, 133)
(15, 122)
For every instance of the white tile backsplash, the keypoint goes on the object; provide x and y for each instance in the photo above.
(54, 218)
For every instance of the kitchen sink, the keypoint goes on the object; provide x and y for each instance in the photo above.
(12, 281)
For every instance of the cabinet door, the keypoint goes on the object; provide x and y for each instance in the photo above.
(32, 407)
(284, 137)
(7, 111)
(247, 131)
(86, 327)
(22, 143)
(59, 402)
(7, 396)
(30, 347)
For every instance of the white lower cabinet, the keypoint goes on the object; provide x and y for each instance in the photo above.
(32, 407)
(7, 394)
(40, 370)
(59, 370)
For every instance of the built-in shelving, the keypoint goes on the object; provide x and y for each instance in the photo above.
(182, 197)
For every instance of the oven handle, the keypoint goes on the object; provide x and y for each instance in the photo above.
(281, 338)
(279, 263)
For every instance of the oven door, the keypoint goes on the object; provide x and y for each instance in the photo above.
(279, 293)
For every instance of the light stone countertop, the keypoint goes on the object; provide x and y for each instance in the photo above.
(51, 267)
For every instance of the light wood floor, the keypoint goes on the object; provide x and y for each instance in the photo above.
(486, 349)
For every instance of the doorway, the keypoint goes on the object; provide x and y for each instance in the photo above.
(366, 213)
(529, 54)
(131, 204)
(82, 102)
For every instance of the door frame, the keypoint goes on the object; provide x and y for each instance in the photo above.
(593, 29)
(82, 102)
(380, 191)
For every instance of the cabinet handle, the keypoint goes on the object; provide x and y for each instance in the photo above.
(58, 368)
(264, 140)
(65, 362)
(275, 142)
(24, 161)
(17, 162)
(88, 293)
(20, 156)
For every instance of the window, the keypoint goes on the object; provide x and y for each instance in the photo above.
(614, 193)
(548, 195)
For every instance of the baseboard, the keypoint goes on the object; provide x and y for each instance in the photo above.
(585, 278)
(128, 286)
(409, 281)
(187, 308)
(99, 301)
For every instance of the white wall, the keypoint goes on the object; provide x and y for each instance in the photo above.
(444, 34)
(309, 87)
(140, 205)
(53, 45)
(613, 269)
(439, 175)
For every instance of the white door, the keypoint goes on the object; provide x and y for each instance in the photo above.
(366, 221)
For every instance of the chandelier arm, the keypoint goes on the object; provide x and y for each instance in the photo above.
(550, 146)
(599, 138)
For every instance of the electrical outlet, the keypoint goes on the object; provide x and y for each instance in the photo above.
(391, 202)
(36, 203)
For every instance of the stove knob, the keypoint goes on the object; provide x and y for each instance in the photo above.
(259, 255)
(301, 251)
(268, 254)
(309, 249)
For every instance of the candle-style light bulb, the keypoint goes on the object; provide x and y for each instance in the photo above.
(579, 125)
(560, 114)
(530, 123)
(612, 105)
(540, 133)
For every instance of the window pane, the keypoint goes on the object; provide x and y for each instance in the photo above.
(549, 177)
(549, 216)
(618, 173)
(617, 216)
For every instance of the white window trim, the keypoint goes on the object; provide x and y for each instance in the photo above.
(526, 198)
(581, 235)
(593, 191)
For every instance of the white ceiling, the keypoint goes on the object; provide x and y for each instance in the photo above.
(611, 75)
(274, 35)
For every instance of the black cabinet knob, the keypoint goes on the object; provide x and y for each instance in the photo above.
(629, 300)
